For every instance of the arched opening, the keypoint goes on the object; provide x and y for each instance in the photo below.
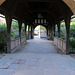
(40, 32)
(72, 35)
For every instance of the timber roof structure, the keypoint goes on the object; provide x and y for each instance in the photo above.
(28, 10)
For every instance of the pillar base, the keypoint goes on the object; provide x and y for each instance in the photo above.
(67, 53)
(48, 38)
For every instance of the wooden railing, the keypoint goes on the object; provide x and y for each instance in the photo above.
(16, 43)
(60, 43)
(23, 40)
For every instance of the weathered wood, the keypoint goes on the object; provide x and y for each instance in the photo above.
(51, 32)
(48, 33)
(67, 23)
(54, 30)
(58, 28)
(47, 30)
(71, 4)
(20, 27)
(8, 21)
(31, 32)
(39, 0)
(1, 1)
(25, 28)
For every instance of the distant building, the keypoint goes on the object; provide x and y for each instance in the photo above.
(2, 18)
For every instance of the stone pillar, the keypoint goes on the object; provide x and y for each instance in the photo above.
(8, 21)
(20, 26)
(58, 28)
(67, 23)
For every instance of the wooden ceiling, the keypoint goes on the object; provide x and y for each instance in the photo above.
(28, 10)
(1, 1)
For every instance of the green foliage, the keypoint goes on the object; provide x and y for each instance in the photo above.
(72, 42)
(3, 35)
(23, 30)
(63, 31)
(26, 37)
(72, 31)
(14, 29)
(56, 31)
(42, 28)
(14, 33)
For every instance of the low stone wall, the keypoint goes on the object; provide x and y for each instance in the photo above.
(60, 43)
(16, 43)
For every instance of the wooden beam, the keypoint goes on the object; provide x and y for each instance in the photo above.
(58, 28)
(39, 0)
(2, 1)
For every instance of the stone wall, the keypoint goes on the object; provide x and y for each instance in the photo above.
(43, 34)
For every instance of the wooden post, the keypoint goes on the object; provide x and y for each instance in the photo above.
(20, 26)
(54, 30)
(31, 32)
(51, 29)
(67, 23)
(58, 28)
(8, 21)
(48, 32)
(25, 29)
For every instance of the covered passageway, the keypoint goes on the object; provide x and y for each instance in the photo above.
(38, 12)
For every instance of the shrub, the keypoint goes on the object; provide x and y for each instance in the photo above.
(72, 42)
(26, 37)
(3, 35)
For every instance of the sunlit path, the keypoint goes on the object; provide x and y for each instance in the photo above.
(38, 57)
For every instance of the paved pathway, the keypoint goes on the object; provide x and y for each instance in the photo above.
(38, 57)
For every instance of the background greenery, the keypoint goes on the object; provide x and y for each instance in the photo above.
(15, 33)
(72, 33)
